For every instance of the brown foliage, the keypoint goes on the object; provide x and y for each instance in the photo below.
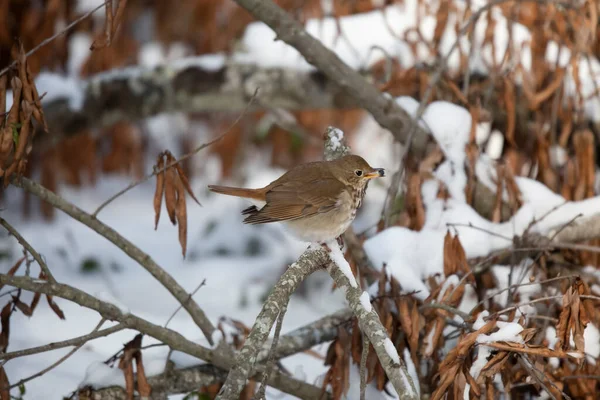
(172, 183)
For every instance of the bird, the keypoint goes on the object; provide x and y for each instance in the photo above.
(316, 201)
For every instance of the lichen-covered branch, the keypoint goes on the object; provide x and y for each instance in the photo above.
(171, 338)
(309, 262)
(162, 276)
(371, 326)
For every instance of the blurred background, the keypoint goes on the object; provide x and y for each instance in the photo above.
(179, 74)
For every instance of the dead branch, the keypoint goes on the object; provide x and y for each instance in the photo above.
(384, 109)
(167, 336)
(127, 247)
(29, 248)
(65, 343)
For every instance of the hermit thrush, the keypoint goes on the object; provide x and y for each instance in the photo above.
(316, 201)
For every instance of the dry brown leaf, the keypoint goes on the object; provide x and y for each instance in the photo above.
(511, 116)
(186, 183)
(5, 322)
(160, 188)
(24, 308)
(181, 214)
(4, 385)
(170, 192)
(452, 363)
(55, 307)
(143, 386)
(14, 268)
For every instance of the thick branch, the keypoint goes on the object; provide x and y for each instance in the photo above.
(309, 262)
(191, 86)
(167, 336)
(177, 381)
(371, 326)
(384, 109)
(127, 247)
(579, 231)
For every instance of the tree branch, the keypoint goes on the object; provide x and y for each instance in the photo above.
(127, 247)
(190, 85)
(309, 262)
(177, 381)
(167, 336)
(65, 343)
(579, 231)
(43, 266)
(384, 109)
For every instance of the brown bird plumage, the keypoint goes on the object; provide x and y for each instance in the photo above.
(316, 201)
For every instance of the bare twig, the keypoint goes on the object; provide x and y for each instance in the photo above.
(260, 395)
(29, 248)
(181, 306)
(363, 366)
(179, 160)
(59, 361)
(310, 261)
(127, 247)
(170, 337)
(65, 343)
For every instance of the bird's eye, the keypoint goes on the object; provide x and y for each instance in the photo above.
(358, 172)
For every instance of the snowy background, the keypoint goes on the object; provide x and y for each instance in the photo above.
(240, 263)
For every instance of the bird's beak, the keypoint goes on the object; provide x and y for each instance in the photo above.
(376, 173)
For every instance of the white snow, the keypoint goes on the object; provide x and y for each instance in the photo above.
(412, 370)
(99, 374)
(338, 258)
(508, 332)
(591, 337)
(336, 136)
(365, 301)
(391, 350)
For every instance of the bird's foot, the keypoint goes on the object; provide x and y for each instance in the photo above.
(340, 241)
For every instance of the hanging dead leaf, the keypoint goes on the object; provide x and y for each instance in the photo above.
(143, 386)
(572, 322)
(55, 307)
(5, 322)
(171, 192)
(185, 182)
(181, 214)
(160, 188)
(14, 268)
(4, 385)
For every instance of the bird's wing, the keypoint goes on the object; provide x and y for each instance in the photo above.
(293, 199)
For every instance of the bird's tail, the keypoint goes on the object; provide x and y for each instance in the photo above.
(254, 194)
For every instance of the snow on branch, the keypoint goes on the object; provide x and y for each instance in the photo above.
(195, 84)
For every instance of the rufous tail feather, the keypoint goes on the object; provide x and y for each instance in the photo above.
(254, 194)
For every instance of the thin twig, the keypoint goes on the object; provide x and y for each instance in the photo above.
(189, 298)
(51, 38)
(179, 160)
(65, 343)
(271, 359)
(363, 366)
(29, 248)
(518, 285)
(164, 335)
(134, 252)
(58, 362)
(463, 315)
